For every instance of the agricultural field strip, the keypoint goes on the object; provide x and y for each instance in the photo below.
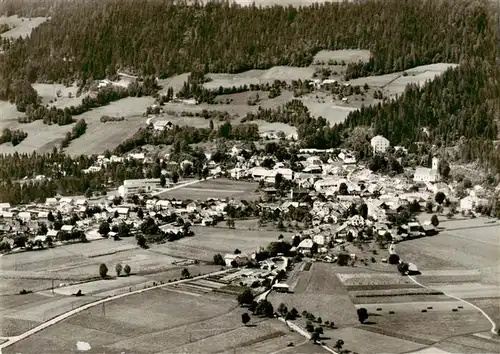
(493, 325)
(180, 186)
(68, 314)
(195, 189)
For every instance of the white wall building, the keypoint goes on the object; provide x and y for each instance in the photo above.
(136, 186)
(423, 174)
(380, 144)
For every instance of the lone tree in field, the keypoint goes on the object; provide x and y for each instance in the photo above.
(185, 273)
(103, 270)
(393, 259)
(403, 268)
(282, 309)
(429, 206)
(118, 269)
(434, 220)
(440, 197)
(315, 337)
(218, 260)
(309, 327)
(362, 314)
(264, 308)
(246, 297)
(104, 228)
(339, 344)
(127, 269)
(245, 318)
(230, 223)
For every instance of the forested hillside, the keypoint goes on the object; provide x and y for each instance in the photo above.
(151, 37)
(94, 38)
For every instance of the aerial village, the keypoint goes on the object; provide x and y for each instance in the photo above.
(339, 201)
(300, 239)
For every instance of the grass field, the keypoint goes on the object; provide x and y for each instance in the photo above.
(282, 73)
(106, 136)
(362, 341)
(99, 136)
(211, 240)
(20, 26)
(465, 247)
(395, 83)
(19, 313)
(215, 188)
(321, 293)
(162, 321)
(433, 325)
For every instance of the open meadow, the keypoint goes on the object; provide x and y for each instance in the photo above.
(221, 188)
(162, 321)
(208, 241)
(395, 83)
(20, 26)
(464, 244)
(320, 292)
(100, 137)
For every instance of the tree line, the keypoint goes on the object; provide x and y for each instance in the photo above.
(28, 101)
(188, 135)
(94, 39)
(12, 136)
(64, 175)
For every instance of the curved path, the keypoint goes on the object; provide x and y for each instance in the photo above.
(493, 325)
(59, 318)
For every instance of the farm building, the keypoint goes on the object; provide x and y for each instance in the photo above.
(282, 288)
(379, 144)
(240, 259)
(162, 125)
(305, 247)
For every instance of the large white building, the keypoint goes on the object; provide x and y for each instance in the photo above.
(380, 144)
(136, 186)
(423, 174)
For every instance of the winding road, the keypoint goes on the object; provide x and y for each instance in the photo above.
(14, 339)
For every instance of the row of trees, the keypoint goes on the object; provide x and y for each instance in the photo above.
(103, 270)
(64, 175)
(12, 136)
(28, 101)
(188, 135)
(78, 130)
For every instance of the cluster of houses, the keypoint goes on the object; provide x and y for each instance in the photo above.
(332, 178)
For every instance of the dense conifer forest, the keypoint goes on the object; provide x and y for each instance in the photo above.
(95, 39)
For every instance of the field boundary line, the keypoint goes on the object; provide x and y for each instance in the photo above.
(493, 324)
(14, 339)
(165, 190)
